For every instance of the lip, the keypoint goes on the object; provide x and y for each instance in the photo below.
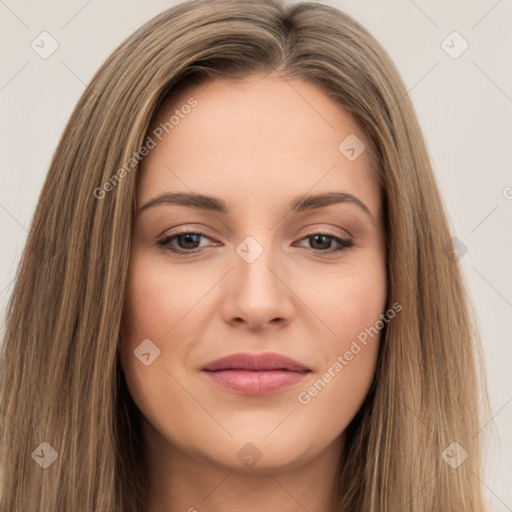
(255, 362)
(255, 374)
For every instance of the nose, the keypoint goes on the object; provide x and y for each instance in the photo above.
(258, 294)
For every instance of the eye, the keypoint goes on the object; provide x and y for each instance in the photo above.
(323, 242)
(189, 242)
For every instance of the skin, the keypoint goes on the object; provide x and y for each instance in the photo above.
(257, 144)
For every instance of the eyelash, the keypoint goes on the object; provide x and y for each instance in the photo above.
(344, 243)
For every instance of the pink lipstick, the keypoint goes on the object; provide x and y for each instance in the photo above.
(256, 374)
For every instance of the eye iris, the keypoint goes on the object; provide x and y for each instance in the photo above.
(190, 238)
(325, 242)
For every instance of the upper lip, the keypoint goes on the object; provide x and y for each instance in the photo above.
(256, 362)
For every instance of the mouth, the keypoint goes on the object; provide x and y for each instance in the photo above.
(255, 374)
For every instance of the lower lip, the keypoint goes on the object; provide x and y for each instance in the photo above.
(256, 382)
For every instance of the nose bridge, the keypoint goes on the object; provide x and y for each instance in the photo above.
(257, 264)
(258, 293)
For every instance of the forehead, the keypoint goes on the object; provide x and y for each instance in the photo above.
(261, 139)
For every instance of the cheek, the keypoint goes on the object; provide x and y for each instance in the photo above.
(158, 299)
(343, 300)
(352, 309)
(164, 304)
(155, 311)
(338, 389)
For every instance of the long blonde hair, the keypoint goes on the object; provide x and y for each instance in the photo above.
(61, 381)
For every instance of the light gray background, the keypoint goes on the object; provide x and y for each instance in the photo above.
(464, 105)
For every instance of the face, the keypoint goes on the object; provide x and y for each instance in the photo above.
(262, 270)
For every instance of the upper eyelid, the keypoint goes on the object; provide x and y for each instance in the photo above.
(316, 220)
(202, 231)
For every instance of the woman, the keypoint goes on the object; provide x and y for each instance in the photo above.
(253, 369)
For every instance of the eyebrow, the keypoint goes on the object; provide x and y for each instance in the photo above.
(217, 205)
